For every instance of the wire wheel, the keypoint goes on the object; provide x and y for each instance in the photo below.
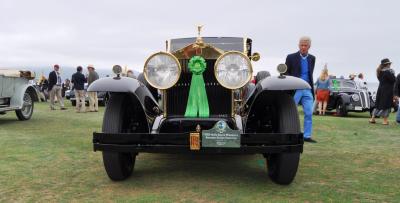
(25, 113)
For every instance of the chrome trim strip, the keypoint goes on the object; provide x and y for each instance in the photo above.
(361, 100)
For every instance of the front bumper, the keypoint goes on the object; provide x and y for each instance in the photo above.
(179, 143)
(100, 99)
(356, 108)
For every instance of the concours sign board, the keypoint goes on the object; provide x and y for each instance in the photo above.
(220, 136)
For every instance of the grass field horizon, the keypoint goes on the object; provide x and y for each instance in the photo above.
(50, 158)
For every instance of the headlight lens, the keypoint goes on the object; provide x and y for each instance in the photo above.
(233, 70)
(355, 97)
(162, 70)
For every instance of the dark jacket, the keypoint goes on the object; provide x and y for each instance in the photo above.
(52, 79)
(93, 76)
(396, 90)
(78, 79)
(384, 96)
(293, 62)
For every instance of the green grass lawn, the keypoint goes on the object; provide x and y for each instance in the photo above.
(50, 158)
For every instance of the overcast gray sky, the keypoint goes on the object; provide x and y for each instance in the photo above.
(351, 36)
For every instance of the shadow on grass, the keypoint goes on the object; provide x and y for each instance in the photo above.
(5, 121)
(250, 168)
(349, 115)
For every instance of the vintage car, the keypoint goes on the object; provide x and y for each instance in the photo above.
(102, 97)
(16, 94)
(198, 113)
(346, 96)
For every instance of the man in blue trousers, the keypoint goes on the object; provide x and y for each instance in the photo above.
(301, 64)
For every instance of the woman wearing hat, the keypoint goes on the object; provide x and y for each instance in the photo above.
(384, 96)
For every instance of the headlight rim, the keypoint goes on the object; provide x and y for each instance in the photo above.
(248, 62)
(355, 97)
(145, 69)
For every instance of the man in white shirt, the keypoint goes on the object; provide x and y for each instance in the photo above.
(360, 81)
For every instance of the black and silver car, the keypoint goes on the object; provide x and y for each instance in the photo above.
(101, 96)
(198, 112)
(346, 96)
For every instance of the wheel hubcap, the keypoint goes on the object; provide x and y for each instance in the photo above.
(27, 105)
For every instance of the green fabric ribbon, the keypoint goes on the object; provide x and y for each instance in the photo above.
(197, 105)
(335, 85)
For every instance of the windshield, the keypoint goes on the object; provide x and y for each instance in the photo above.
(224, 43)
(340, 83)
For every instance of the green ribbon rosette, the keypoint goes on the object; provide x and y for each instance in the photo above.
(335, 85)
(197, 105)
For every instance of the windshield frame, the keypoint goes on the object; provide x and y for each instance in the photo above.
(342, 82)
(222, 43)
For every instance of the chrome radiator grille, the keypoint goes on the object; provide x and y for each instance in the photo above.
(364, 97)
(219, 98)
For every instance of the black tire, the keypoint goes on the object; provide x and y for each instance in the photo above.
(261, 75)
(73, 102)
(105, 100)
(341, 108)
(25, 113)
(119, 166)
(282, 168)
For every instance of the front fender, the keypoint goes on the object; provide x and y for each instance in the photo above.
(344, 97)
(283, 83)
(275, 83)
(17, 99)
(131, 86)
(267, 89)
(109, 84)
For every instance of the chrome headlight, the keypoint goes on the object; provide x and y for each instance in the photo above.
(355, 97)
(162, 70)
(233, 70)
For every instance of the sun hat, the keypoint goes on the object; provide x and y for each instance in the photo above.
(385, 61)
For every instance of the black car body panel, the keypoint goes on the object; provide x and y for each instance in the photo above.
(251, 143)
(283, 83)
(276, 83)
